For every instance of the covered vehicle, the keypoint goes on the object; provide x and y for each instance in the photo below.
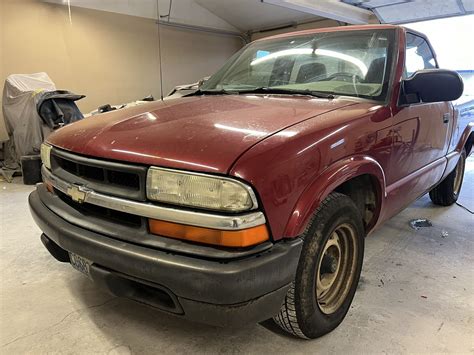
(25, 128)
(32, 109)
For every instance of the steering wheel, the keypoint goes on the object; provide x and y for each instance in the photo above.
(346, 77)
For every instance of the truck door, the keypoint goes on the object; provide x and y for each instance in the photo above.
(420, 131)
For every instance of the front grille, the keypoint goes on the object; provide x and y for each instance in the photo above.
(120, 178)
(111, 178)
(87, 209)
(124, 179)
(85, 171)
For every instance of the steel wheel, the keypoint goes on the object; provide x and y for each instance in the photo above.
(336, 268)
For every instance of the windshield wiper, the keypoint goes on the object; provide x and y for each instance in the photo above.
(270, 90)
(211, 92)
(264, 90)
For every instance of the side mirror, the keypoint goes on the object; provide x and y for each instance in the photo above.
(432, 85)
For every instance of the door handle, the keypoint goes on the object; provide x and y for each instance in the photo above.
(446, 117)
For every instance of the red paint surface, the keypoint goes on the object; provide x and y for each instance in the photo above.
(196, 133)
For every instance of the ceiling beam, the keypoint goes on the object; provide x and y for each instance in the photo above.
(331, 9)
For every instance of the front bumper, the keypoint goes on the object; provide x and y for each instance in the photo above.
(219, 292)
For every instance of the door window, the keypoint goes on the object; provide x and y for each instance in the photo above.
(418, 55)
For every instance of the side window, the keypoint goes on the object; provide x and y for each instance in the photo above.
(418, 55)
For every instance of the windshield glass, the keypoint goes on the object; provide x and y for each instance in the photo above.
(351, 63)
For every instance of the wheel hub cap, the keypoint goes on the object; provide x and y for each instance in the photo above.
(336, 268)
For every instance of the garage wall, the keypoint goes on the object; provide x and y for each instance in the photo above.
(188, 56)
(306, 26)
(111, 58)
(3, 132)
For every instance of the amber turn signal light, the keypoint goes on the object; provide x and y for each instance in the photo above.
(238, 239)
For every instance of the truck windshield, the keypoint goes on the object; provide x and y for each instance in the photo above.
(350, 63)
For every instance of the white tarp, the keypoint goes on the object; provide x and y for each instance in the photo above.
(24, 126)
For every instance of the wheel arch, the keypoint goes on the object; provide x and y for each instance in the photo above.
(469, 143)
(338, 177)
(467, 139)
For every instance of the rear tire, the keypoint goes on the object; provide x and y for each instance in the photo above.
(328, 270)
(447, 192)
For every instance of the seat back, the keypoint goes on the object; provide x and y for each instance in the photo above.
(375, 72)
(309, 71)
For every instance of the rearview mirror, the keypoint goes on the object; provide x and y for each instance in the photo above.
(432, 85)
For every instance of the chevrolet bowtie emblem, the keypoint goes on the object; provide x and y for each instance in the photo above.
(77, 193)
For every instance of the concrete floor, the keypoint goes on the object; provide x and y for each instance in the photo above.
(416, 295)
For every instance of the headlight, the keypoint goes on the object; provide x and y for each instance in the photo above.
(46, 155)
(199, 190)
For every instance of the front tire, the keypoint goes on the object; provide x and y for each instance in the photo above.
(447, 192)
(328, 270)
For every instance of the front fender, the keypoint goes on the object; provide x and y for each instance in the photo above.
(332, 177)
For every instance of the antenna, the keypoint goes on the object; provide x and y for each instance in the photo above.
(159, 46)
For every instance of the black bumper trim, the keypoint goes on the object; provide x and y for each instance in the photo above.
(156, 296)
(135, 289)
(236, 315)
(197, 280)
(55, 250)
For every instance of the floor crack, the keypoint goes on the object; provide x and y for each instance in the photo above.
(58, 323)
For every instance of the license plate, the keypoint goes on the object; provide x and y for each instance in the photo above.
(80, 263)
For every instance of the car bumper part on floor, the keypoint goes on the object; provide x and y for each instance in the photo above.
(227, 292)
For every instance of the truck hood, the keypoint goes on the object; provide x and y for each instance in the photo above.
(205, 133)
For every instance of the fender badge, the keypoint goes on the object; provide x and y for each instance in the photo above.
(77, 193)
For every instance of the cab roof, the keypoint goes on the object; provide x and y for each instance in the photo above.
(333, 29)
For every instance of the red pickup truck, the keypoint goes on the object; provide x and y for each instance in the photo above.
(251, 197)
